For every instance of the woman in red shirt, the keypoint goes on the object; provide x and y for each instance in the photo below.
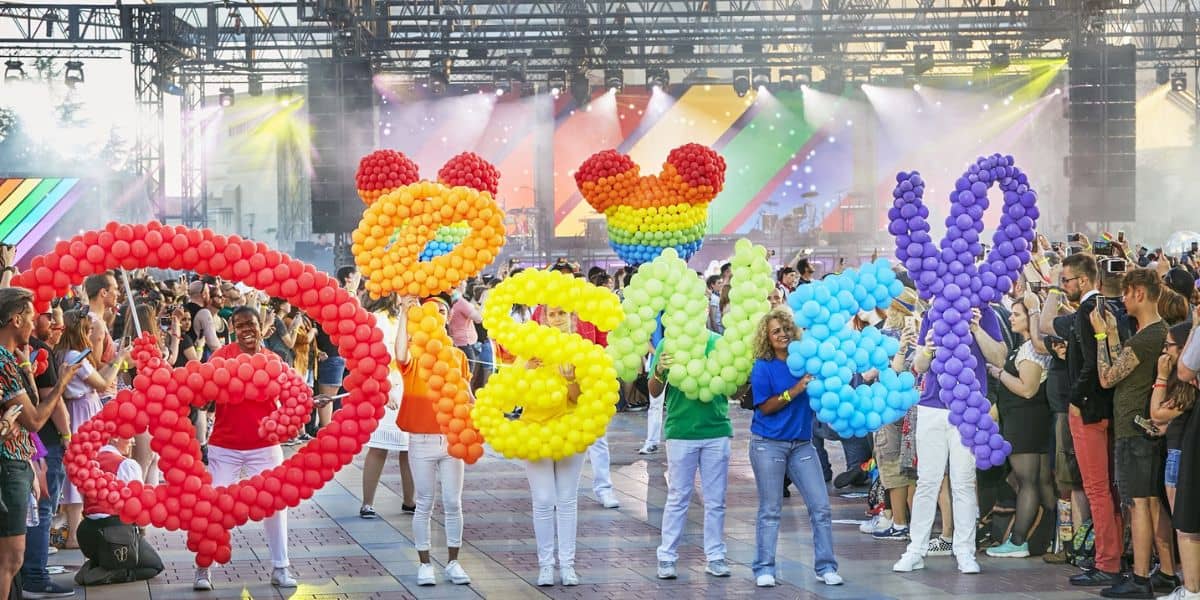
(236, 451)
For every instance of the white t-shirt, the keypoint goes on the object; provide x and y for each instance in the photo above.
(129, 470)
(78, 386)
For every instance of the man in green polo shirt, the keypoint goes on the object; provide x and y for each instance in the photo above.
(698, 435)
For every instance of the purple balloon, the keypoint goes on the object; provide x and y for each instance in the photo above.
(965, 429)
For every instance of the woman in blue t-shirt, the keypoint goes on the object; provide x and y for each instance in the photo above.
(781, 444)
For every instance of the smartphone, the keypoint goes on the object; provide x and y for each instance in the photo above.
(79, 359)
(1121, 236)
(1145, 424)
(1115, 265)
(1102, 248)
(33, 356)
(912, 323)
(1057, 246)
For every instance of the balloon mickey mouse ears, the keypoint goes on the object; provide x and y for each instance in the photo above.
(647, 214)
(420, 237)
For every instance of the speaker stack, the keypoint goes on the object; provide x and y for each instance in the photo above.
(341, 117)
(1101, 113)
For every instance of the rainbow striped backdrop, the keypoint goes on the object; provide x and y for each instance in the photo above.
(29, 208)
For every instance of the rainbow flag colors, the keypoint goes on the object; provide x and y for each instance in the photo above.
(29, 207)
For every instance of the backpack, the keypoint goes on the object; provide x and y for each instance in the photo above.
(1082, 546)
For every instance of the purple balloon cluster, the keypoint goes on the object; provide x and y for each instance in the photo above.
(958, 284)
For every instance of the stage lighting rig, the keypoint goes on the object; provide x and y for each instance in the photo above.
(556, 81)
(1179, 81)
(73, 75)
(657, 78)
(14, 69)
(741, 82)
(1000, 58)
(225, 97)
(787, 79)
(1162, 73)
(760, 77)
(922, 58)
(581, 88)
(614, 80)
(254, 84)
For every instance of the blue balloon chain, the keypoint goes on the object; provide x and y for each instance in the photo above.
(833, 352)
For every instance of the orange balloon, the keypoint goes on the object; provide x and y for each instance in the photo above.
(439, 364)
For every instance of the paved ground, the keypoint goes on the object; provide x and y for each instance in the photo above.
(335, 554)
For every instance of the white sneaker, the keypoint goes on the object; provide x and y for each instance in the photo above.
(51, 550)
(546, 576)
(609, 499)
(967, 565)
(908, 562)
(878, 522)
(280, 577)
(939, 546)
(765, 580)
(648, 449)
(666, 569)
(426, 574)
(202, 583)
(832, 578)
(1181, 593)
(456, 574)
(569, 576)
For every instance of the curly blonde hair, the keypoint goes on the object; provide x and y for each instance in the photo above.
(762, 337)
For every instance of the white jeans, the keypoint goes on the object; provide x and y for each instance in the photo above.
(685, 457)
(554, 486)
(599, 457)
(938, 442)
(654, 419)
(229, 466)
(428, 457)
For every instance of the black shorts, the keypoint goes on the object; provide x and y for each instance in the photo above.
(1139, 465)
(16, 483)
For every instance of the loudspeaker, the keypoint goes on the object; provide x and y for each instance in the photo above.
(1101, 117)
(341, 117)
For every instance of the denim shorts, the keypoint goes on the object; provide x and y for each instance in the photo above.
(1171, 469)
(331, 370)
(16, 482)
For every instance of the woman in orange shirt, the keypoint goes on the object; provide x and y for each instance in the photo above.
(429, 456)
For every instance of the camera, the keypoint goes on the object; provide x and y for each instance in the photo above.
(1102, 248)
(1116, 265)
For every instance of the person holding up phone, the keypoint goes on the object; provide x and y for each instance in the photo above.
(82, 395)
(17, 318)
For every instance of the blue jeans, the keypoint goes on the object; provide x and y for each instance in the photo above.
(771, 460)
(37, 539)
(684, 458)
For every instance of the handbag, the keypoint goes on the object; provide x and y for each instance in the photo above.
(121, 545)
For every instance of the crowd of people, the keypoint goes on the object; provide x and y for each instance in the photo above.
(1090, 363)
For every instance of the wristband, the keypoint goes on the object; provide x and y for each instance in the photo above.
(786, 396)
(25, 365)
(1101, 337)
(66, 437)
(1160, 386)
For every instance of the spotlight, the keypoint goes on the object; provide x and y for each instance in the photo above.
(922, 58)
(1162, 73)
(14, 69)
(166, 85)
(760, 77)
(741, 82)
(1000, 58)
(254, 84)
(556, 81)
(439, 74)
(502, 82)
(225, 97)
(74, 73)
(614, 79)
(581, 88)
(658, 78)
(787, 79)
(1179, 81)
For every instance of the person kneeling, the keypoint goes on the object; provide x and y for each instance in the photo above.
(115, 550)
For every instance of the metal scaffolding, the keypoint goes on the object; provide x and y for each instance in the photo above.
(191, 45)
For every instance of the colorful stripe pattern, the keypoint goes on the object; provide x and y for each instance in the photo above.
(29, 207)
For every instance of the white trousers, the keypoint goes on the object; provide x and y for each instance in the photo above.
(601, 473)
(938, 442)
(429, 458)
(554, 486)
(654, 419)
(229, 466)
